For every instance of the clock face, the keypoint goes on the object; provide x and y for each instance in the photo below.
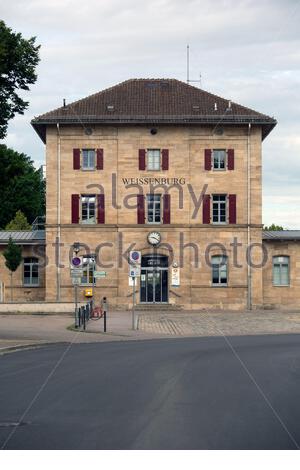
(154, 238)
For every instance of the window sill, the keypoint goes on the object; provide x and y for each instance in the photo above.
(29, 286)
(219, 285)
(281, 285)
(88, 169)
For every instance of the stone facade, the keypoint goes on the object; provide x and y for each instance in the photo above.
(186, 124)
(186, 145)
(285, 297)
(21, 292)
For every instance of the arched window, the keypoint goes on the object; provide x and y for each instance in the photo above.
(219, 270)
(31, 272)
(281, 270)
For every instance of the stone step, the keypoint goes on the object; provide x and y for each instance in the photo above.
(158, 308)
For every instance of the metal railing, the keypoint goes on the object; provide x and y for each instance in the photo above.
(39, 223)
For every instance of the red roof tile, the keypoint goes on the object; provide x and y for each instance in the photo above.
(153, 101)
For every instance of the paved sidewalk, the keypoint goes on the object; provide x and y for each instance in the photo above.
(205, 323)
(19, 331)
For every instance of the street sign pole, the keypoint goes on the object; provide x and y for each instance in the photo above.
(93, 302)
(133, 305)
(76, 307)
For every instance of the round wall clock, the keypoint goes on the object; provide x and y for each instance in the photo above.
(154, 238)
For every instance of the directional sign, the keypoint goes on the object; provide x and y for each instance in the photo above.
(76, 272)
(99, 274)
(134, 271)
(76, 281)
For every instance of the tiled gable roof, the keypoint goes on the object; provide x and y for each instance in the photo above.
(151, 101)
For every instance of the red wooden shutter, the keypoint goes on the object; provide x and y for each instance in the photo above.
(230, 159)
(99, 159)
(100, 209)
(232, 208)
(142, 159)
(206, 209)
(207, 159)
(165, 159)
(140, 209)
(76, 159)
(75, 208)
(167, 209)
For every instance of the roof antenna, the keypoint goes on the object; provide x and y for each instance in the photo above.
(188, 68)
(187, 63)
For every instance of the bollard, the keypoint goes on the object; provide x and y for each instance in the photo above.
(84, 317)
(104, 307)
(79, 317)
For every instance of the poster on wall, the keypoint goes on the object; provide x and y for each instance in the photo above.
(175, 277)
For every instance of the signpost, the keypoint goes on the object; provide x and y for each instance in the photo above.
(135, 257)
(134, 272)
(76, 261)
(76, 272)
(99, 274)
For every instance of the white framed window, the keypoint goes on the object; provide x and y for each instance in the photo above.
(89, 267)
(153, 159)
(31, 271)
(153, 208)
(219, 159)
(88, 209)
(281, 270)
(219, 266)
(219, 208)
(88, 159)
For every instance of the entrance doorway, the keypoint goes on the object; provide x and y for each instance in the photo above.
(154, 279)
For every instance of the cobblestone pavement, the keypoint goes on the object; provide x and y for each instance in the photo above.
(206, 323)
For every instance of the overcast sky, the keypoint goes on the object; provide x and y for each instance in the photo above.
(247, 51)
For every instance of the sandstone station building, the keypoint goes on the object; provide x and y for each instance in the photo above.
(172, 171)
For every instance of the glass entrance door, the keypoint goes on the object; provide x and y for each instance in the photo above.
(154, 285)
(154, 279)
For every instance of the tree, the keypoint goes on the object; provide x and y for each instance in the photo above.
(18, 60)
(19, 222)
(22, 187)
(273, 227)
(13, 258)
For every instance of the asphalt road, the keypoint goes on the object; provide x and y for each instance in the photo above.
(196, 393)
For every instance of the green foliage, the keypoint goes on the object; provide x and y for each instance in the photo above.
(12, 255)
(22, 187)
(19, 222)
(273, 227)
(18, 60)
